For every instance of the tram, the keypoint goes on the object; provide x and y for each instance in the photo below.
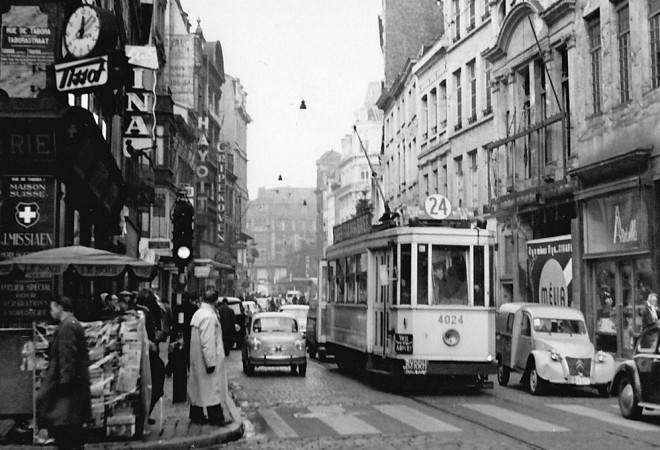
(411, 300)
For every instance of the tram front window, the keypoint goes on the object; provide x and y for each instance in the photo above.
(450, 283)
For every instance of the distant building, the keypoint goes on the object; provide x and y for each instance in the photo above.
(282, 222)
(326, 167)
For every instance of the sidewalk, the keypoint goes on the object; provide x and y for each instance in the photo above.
(172, 430)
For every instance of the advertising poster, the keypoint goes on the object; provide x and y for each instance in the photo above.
(27, 47)
(27, 224)
(550, 270)
(181, 66)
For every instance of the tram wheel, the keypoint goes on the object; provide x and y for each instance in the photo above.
(503, 373)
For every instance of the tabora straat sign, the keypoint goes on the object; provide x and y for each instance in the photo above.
(550, 270)
(82, 74)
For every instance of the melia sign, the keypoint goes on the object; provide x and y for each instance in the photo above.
(550, 270)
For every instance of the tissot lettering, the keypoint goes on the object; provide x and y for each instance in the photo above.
(82, 74)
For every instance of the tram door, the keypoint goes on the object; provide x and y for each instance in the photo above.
(383, 300)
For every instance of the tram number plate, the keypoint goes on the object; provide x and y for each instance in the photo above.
(451, 319)
(416, 367)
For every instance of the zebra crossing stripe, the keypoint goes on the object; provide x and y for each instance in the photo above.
(514, 418)
(344, 424)
(415, 419)
(277, 424)
(605, 416)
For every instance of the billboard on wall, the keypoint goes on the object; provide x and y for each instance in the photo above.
(181, 67)
(550, 270)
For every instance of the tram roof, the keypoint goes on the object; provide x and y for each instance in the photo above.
(381, 238)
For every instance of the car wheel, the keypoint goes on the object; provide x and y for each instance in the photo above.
(293, 369)
(503, 373)
(627, 402)
(248, 368)
(603, 390)
(302, 369)
(536, 383)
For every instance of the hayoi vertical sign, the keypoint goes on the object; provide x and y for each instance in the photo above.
(550, 270)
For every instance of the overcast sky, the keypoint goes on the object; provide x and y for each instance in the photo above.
(283, 51)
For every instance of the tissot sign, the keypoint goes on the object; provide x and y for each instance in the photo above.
(28, 214)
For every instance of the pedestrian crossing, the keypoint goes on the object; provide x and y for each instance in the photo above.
(392, 418)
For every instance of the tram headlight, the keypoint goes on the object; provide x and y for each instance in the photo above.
(451, 338)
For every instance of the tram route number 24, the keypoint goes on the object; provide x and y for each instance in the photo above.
(451, 319)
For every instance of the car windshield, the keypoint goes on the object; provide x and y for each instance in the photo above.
(275, 324)
(561, 326)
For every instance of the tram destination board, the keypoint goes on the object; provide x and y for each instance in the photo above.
(403, 343)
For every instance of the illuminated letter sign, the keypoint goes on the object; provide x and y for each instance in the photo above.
(83, 74)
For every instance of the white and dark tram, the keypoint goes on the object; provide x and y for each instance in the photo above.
(415, 300)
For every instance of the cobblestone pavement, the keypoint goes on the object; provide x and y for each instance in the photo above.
(330, 410)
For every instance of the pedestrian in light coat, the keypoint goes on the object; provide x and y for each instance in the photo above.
(207, 381)
(63, 401)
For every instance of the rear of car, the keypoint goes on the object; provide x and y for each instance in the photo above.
(300, 312)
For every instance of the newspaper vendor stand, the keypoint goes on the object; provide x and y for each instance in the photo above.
(120, 373)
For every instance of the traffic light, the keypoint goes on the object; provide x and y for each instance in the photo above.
(183, 219)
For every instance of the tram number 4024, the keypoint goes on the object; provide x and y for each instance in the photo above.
(451, 319)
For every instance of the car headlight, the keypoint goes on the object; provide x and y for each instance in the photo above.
(600, 356)
(255, 344)
(300, 345)
(237, 327)
(555, 356)
(451, 337)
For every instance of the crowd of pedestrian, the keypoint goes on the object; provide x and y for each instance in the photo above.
(196, 353)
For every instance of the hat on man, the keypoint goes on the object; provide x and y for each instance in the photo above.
(125, 293)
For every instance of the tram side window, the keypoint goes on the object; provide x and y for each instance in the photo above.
(422, 274)
(478, 274)
(406, 256)
(350, 279)
(341, 280)
(332, 282)
(361, 264)
(450, 284)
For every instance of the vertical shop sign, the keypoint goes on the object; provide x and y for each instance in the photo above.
(550, 270)
(222, 147)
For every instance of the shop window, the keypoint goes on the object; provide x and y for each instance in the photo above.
(422, 274)
(605, 304)
(405, 275)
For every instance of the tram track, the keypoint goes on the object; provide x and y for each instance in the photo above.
(513, 436)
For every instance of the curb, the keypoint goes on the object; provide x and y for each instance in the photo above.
(232, 432)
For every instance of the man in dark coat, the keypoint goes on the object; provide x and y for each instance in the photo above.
(63, 400)
(228, 324)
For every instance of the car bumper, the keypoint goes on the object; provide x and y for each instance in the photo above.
(276, 360)
(557, 372)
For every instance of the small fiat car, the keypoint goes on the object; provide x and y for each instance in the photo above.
(274, 339)
(637, 381)
(549, 344)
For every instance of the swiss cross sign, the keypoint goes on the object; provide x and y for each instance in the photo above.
(27, 214)
(437, 206)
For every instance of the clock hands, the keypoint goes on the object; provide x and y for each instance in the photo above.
(81, 31)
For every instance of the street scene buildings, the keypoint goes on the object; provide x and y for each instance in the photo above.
(490, 209)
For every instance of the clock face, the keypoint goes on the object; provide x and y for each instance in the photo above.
(82, 31)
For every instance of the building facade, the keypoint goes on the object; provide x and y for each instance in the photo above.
(283, 224)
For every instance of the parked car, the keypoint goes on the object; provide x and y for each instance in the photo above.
(251, 307)
(637, 381)
(300, 313)
(549, 344)
(274, 339)
(240, 318)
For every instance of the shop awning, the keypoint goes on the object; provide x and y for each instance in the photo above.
(84, 261)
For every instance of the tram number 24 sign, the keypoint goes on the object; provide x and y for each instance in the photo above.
(437, 206)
